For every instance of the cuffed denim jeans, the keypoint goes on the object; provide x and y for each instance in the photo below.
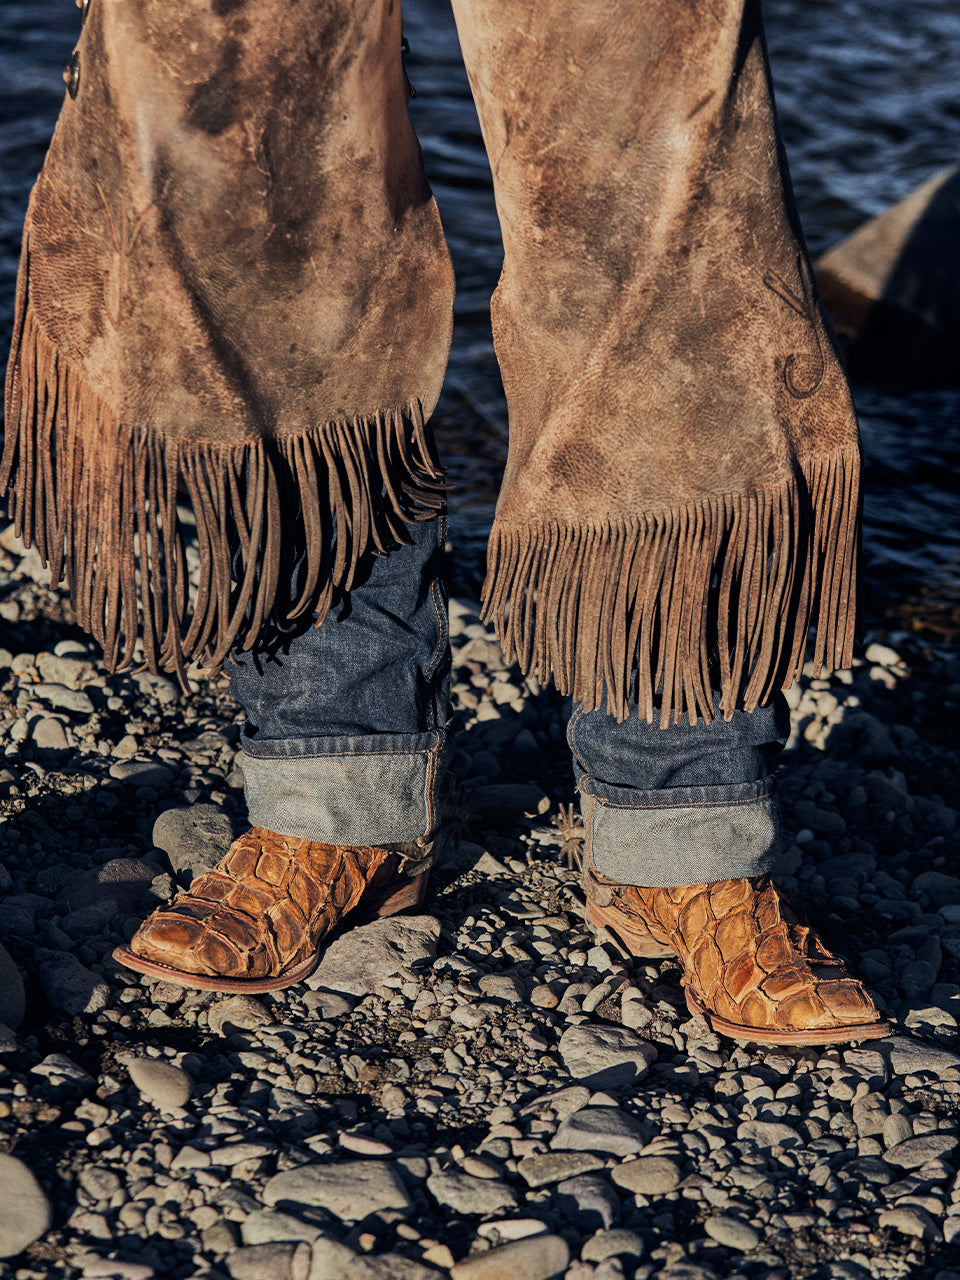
(346, 722)
(688, 804)
(346, 726)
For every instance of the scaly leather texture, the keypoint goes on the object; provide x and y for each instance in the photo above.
(261, 913)
(750, 964)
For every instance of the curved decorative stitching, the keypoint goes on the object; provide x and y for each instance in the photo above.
(578, 716)
(443, 624)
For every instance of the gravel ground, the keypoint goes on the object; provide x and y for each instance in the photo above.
(484, 1089)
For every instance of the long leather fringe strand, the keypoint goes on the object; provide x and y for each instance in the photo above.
(99, 499)
(720, 592)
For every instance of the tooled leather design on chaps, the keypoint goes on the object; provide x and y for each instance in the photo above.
(746, 956)
(263, 909)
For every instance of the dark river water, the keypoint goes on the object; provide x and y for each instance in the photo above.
(868, 93)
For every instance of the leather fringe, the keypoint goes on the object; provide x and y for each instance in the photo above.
(99, 498)
(719, 593)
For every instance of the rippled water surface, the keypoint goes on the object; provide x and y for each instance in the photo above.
(868, 100)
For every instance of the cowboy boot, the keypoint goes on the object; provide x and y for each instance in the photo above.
(750, 967)
(256, 921)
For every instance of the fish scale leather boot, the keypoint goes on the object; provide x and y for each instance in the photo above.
(255, 922)
(751, 968)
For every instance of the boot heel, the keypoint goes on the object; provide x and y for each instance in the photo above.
(639, 942)
(400, 895)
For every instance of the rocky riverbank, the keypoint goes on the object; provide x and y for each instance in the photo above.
(482, 1089)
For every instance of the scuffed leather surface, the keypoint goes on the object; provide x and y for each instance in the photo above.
(232, 235)
(656, 320)
(264, 908)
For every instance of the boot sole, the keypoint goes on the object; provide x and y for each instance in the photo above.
(768, 1035)
(399, 895)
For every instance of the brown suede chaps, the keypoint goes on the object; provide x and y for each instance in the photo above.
(235, 297)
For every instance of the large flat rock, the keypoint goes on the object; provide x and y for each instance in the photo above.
(349, 1190)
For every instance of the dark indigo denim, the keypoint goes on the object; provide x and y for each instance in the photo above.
(346, 722)
(346, 726)
(683, 805)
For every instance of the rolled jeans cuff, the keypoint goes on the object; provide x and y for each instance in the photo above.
(377, 790)
(681, 835)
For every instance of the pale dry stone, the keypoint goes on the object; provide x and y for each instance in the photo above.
(605, 1057)
(586, 1203)
(647, 1176)
(388, 1266)
(732, 1233)
(24, 1209)
(264, 1226)
(330, 1259)
(349, 1190)
(166, 1086)
(606, 1129)
(49, 735)
(194, 838)
(237, 1013)
(556, 1166)
(914, 1152)
(767, 1133)
(611, 1244)
(142, 773)
(116, 1269)
(467, 1195)
(360, 961)
(910, 1057)
(278, 1260)
(539, 1257)
(895, 1130)
(910, 1220)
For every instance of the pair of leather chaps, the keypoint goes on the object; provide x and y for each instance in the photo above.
(234, 311)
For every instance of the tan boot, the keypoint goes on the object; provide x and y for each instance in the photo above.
(750, 967)
(256, 921)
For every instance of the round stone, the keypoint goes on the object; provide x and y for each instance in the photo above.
(611, 1244)
(647, 1176)
(160, 1083)
(24, 1209)
(732, 1232)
